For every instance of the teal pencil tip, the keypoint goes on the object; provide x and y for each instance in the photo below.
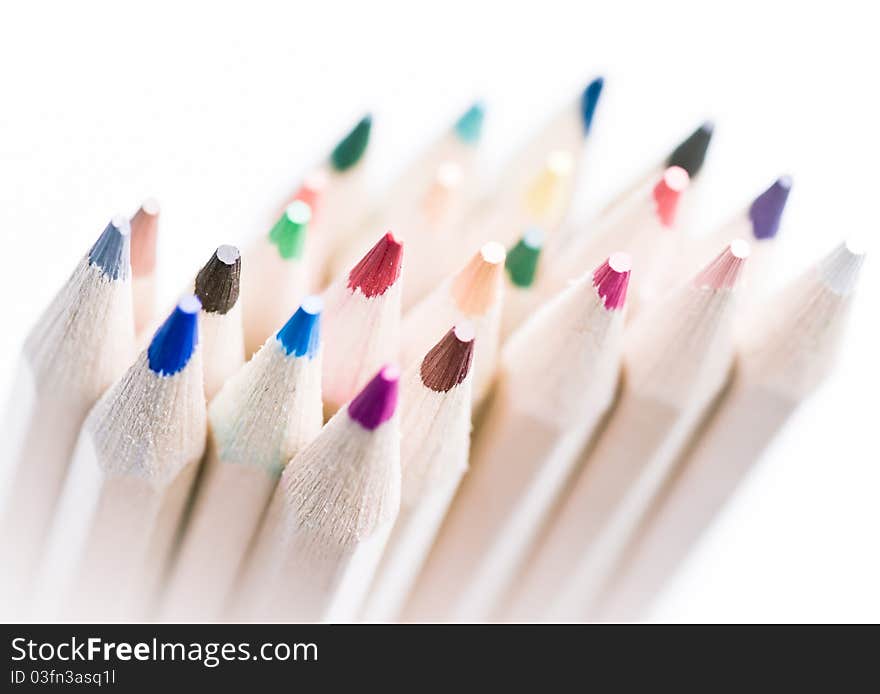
(469, 127)
(351, 148)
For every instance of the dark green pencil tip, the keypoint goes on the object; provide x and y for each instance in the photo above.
(352, 147)
(522, 259)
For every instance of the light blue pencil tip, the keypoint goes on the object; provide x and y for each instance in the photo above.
(469, 127)
(111, 251)
(589, 101)
(301, 335)
(174, 342)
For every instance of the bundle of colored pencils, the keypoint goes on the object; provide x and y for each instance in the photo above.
(453, 405)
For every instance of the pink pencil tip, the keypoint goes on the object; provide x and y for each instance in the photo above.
(667, 193)
(379, 268)
(311, 190)
(725, 270)
(376, 403)
(611, 280)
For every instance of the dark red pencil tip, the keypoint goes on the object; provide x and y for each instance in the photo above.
(379, 268)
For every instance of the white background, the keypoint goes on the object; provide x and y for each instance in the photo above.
(216, 111)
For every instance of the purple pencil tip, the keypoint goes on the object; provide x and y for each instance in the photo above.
(766, 210)
(378, 400)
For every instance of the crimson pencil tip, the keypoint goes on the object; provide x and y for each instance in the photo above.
(379, 268)
(724, 272)
(611, 280)
(377, 402)
(449, 361)
(667, 193)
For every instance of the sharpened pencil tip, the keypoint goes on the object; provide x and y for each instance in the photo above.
(176, 339)
(478, 285)
(289, 232)
(217, 284)
(301, 334)
(144, 230)
(766, 211)
(840, 268)
(379, 268)
(111, 252)
(589, 101)
(522, 260)
(377, 402)
(311, 190)
(351, 148)
(611, 280)
(724, 272)
(691, 153)
(449, 361)
(667, 193)
(469, 127)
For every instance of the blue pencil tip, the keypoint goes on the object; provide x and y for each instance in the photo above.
(589, 101)
(176, 340)
(301, 335)
(766, 211)
(111, 252)
(469, 127)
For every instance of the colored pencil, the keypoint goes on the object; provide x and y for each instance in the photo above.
(130, 477)
(274, 276)
(330, 517)
(81, 343)
(221, 329)
(677, 360)
(474, 294)
(521, 266)
(264, 415)
(792, 346)
(645, 225)
(144, 233)
(435, 438)
(559, 373)
(361, 322)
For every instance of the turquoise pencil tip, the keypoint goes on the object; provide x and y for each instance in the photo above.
(469, 127)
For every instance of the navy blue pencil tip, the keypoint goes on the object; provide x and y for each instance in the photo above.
(589, 101)
(111, 252)
(301, 334)
(174, 342)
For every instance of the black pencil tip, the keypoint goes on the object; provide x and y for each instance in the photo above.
(691, 153)
(217, 284)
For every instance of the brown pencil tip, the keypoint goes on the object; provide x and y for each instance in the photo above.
(449, 361)
(478, 285)
(217, 283)
(144, 229)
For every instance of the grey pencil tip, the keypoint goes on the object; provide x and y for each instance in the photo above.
(111, 252)
(217, 284)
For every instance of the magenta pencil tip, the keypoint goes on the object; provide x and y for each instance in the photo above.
(611, 280)
(377, 402)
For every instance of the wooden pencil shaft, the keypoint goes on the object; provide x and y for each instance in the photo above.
(733, 441)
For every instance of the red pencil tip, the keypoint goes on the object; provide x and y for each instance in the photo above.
(611, 280)
(667, 193)
(725, 270)
(311, 190)
(379, 268)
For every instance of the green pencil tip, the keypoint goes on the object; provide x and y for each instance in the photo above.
(289, 232)
(352, 147)
(522, 259)
(469, 127)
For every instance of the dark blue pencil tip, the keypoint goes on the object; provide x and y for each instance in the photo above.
(111, 251)
(301, 335)
(469, 127)
(174, 342)
(589, 101)
(766, 210)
